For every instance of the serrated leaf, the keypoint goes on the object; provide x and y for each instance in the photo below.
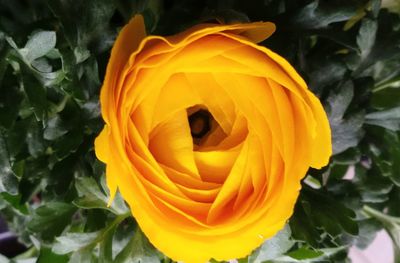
(90, 196)
(388, 119)
(85, 22)
(138, 250)
(273, 247)
(387, 160)
(368, 231)
(302, 227)
(372, 186)
(74, 241)
(50, 219)
(321, 210)
(386, 43)
(39, 44)
(306, 255)
(319, 14)
(71, 242)
(22, 65)
(346, 132)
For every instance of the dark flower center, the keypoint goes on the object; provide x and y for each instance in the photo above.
(200, 124)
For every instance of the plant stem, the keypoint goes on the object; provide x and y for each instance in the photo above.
(386, 84)
(379, 215)
(109, 228)
(391, 225)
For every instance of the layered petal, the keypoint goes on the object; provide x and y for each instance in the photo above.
(217, 193)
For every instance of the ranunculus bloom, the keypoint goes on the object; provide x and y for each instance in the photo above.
(207, 137)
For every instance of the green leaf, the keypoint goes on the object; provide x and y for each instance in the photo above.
(372, 186)
(273, 247)
(90, 196)
(385, 155)
(50, 219)
(85, 23)
(378, 41)
(81, 54)
(318, 208)
(368, 230)
(302, 226)
(55, 128)
(305, 253)
(325, 72)
(62, 175)
(37, 95)
(15, 202)
(82, 256)
(319, 14)
(71, 242)
(39, 44)
(27, 69)
(34, 139)
(138, 250)
(388, 119)
(74, 241)
(346, 132)
(366, 37)
(8, 180)
(386, 98)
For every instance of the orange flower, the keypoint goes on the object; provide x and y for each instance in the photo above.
(207, 137)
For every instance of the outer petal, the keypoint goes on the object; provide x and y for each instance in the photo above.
(101, 145)
(322, 147)
(126, 43)
(102, 148)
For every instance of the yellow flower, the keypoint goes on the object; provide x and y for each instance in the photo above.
(207, 137)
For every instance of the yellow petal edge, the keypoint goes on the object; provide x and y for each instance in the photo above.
(165, 231)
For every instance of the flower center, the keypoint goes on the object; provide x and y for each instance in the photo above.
(200, 124)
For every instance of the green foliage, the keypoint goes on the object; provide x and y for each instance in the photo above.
(53, 56)
(274, 247)
(50, 219)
